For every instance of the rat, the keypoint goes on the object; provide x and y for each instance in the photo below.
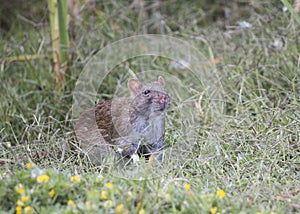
(132, 126)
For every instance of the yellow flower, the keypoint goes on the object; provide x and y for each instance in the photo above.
(42, 179)
(72, 204)
(187, 187)
(213, 210)
(24, 198)
(88, 204)
(258, 213)
(103, 195)
(52, 193)
(99, 178)
(28, 165)
(108, 185)
(221, 193)
(20, 203)
(129, 195)
(108, 203)
(28, 209)
(119, 208)
(18, 210)
(167, 196)
(75, 178)
(20, 189)
(142, 211)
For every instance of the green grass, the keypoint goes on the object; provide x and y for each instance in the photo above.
(254, 156)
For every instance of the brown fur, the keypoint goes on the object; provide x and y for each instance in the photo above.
(129, 125)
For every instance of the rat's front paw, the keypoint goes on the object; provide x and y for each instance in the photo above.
(135, 157)
(119, 150)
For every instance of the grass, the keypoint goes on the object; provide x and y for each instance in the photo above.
(253, 157)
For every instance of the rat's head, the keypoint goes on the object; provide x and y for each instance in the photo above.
(148, 98)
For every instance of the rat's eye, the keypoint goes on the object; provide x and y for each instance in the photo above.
(146, 92)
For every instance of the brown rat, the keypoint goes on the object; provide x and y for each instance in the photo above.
(132, 126)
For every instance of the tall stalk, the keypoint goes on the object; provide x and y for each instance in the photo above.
(60, 41)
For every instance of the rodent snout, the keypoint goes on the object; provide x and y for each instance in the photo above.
(163, 99)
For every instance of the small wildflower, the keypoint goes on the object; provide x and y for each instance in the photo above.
(88, 204)
(191, 193)
(167, 196)
(258, 213)
(72, 204)
(28, 209)
(213, 210)
(18, 209)
(108, 185)
(36, 172)
(100, 178)
(52, 193)
(108, 203)
(142, 211)
(129, 194)
(20, 189)
(20, 203)
(187, 187)
(42, 179)
(28, 165)
(221, 193)
(75, 178)
(119, 208)
(24, 198)
(103, 195)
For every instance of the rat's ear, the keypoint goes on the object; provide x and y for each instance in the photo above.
(161, 80)
(134, 85)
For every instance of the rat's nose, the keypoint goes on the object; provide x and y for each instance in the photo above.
(163, 99)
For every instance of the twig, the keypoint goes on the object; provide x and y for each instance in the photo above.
(205, 119)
